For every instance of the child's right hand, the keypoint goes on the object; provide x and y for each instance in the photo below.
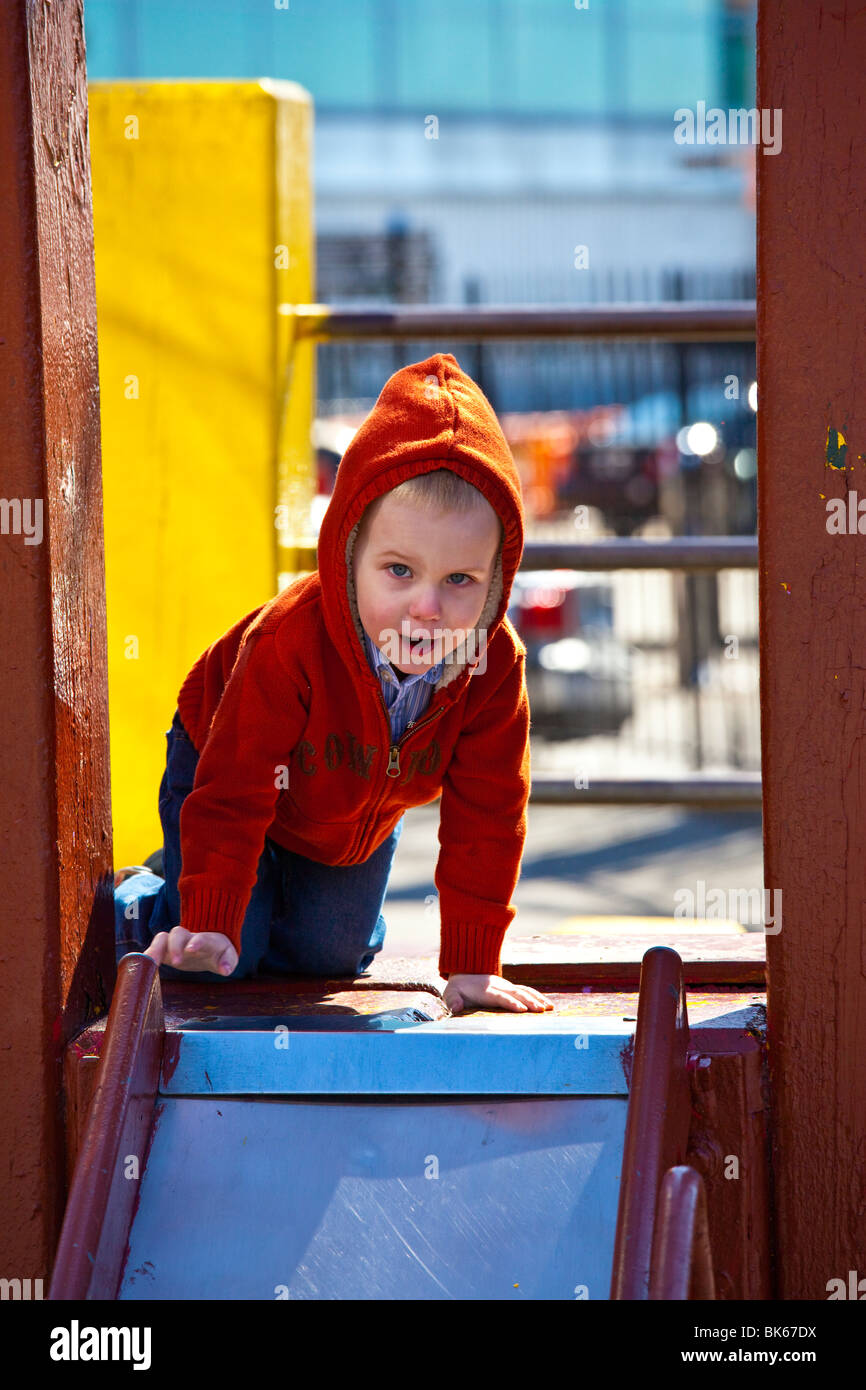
(185, 950)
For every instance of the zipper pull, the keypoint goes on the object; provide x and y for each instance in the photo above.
(393, 769)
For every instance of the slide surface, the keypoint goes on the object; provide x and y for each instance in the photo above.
(441, 1160)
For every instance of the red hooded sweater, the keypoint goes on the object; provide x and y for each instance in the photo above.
(291, 726)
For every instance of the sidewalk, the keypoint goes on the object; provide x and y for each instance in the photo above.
(584, 863)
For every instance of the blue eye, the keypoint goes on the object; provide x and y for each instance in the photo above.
(458, 574)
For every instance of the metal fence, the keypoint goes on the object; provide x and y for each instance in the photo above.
(685, 674)
(538, 375)
(688, 626)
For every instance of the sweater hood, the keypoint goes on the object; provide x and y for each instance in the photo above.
(428, 415)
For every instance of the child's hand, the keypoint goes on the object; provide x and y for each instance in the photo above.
(492, 992)
(185, 950)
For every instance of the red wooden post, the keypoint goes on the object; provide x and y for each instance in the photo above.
(811, 243)
(56, 932)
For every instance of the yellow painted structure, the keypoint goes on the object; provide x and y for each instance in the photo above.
(203, 228)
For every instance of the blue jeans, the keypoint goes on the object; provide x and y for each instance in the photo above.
(303, 918)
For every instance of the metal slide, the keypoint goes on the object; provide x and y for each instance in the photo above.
(396, 1159)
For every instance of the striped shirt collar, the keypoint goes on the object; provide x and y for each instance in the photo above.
(378, 660)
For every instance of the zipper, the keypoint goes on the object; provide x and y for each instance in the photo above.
(393, 768)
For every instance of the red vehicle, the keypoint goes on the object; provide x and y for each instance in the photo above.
(578, 672)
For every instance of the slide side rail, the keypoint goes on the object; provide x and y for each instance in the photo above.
(89, 1260)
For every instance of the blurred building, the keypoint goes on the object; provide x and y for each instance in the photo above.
(523, 151)
(491, 151)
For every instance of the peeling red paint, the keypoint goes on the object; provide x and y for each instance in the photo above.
(626, 1056)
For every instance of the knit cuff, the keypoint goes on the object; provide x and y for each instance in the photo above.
(469, 949)
(214, 909)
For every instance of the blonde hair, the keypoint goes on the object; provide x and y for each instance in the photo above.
(439, 490)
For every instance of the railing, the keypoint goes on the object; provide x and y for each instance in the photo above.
(709, 793)
(682, 1262)
(692, 553)
(88, 1263)
(726, 321)
(661, 1224)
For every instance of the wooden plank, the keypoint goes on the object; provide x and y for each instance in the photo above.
(811, 219)
(79, 1083)
(55, 821)
(728, 1147)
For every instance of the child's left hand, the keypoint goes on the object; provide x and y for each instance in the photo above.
(492, 992)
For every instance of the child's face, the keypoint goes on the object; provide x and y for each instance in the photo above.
(423, 574)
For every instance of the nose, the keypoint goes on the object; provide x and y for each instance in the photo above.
(424, 607)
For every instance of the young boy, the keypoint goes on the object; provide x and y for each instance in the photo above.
(388, 676)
